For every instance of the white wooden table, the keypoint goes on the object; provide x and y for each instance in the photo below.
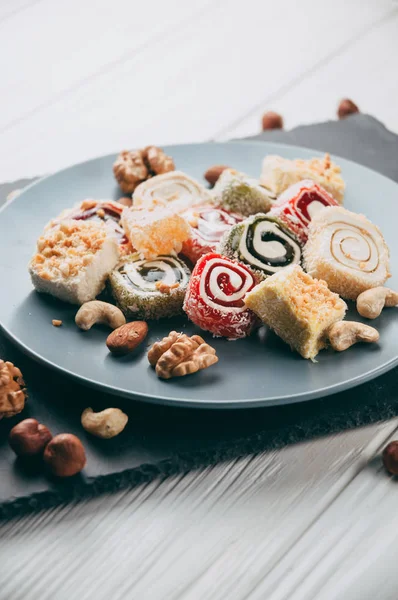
(315, 520)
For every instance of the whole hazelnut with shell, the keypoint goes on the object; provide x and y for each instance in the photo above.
(29, 438)
(65, 455)
(346, 108)
(390, 457)
(213, 173)
(271, 120)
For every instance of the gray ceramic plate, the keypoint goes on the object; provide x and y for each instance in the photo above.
(257, 371)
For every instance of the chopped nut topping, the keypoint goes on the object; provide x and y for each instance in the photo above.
(164, 288)
(322, 166)
(67, 248)
(56, 322)
(87, 204)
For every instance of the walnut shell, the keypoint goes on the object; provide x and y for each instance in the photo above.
(133, 167)
(130, 169)
(178, 355)
(157, 161)
(12, 390)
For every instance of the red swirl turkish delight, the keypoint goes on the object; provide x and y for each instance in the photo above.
(215, 297)
(297, 205)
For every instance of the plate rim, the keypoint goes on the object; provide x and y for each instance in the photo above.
(234, 142)
(188, 402)
(206, 404)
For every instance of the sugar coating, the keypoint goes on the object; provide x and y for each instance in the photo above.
(263, 243)
(154, 231)
(347, 251)
(298, 308)
(150, 289)
(279, 173)
(215, 297)
(239, 193)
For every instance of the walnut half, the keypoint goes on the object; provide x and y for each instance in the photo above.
(133, 167)
(12, 391)
(177, 355)
(129, 170)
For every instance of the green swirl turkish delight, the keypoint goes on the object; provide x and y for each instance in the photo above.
(150, 289)
(262, 243)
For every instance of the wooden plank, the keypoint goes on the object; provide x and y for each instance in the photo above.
(363, 72)
(10, 8)
(60, 51)
(348, 552)
(219, 533)
(182, 87)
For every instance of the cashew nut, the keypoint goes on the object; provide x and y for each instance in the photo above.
(99, 312)
(344, 334)
(371, 303)
(105, 424)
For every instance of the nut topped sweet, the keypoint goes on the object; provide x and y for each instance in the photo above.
(279, 173)
(101, 212)
(73, 260)
(298, 308)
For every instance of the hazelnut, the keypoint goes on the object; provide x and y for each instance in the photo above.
(65, 455)
(29, 438)
(346, 108)
(125, 201)
(213, 173)
(390, 457)
(271, 120)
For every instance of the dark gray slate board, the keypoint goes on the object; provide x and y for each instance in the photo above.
(163, 440)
